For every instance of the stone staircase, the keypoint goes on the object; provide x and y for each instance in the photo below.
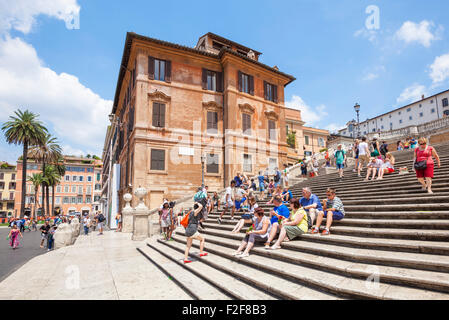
(392, 244)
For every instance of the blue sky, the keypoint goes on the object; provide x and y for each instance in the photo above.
(70, 74)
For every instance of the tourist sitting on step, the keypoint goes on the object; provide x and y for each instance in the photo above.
(277, 215)
(333, 210)
(215, 201)
(374, 165)
(387, 167)
(287, 195)
(276, 193)
(192, 232)
(247, 217)
(261, 179)
(240, 198)
(271, 188)
(424, 165)
(228, 201)
(311, 203)
(293, 227)
(258, 232)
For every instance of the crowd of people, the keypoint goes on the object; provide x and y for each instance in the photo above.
(292, 217)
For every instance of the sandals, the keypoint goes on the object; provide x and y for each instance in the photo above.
(315, 231)
(244, 255)
(237, 253)
(187, 261)
(275, 248)
(203, 254)
(325, 232)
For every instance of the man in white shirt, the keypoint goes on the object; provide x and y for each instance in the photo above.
(86, 225)
(228, 201)
(363, 155)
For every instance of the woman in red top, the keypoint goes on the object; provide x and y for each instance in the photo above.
(425, 153)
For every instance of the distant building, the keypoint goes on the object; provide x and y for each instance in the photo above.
(7, 189)
(417, 113)
(308, 141)
(78, 191)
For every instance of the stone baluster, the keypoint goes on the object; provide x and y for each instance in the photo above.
(127, 214)
(141, 214)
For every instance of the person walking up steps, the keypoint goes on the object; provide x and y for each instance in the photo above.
(333, 210)
(44, 231)
(192, 232)
(363, 155)
(228, 201)
(340, 158)
(355, 152)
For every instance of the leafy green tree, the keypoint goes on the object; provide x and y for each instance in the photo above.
(291, 139)
(52, 179)
(24, 129)
(48, 152)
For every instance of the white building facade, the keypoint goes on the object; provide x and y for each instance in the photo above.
(417, 113)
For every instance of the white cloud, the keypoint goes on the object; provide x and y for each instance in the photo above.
(439, 70)
(334, 127)
(308, 114)
(371, 35)
(21, 14)
(419, 32)
(412, 93)
(77, 115)
(370, 76)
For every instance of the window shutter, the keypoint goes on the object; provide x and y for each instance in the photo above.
(162, 115)
(251, 85)
(220, 81)
(239, 80)
(275, 94)
(265, 91)
(151, 68)
(167, 71)
(155, 114)
(204, 79)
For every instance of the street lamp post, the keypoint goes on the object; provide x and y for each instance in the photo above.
(203, 160)
(357, 110)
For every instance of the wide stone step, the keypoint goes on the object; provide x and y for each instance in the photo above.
(257, 279)
(339, 282)
(195, 286)
(415, 246)
(388, 195)
(351, 206)
(420, 270)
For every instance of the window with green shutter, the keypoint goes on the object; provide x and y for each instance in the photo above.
(246, 124)
(157, 159)
(158, 115)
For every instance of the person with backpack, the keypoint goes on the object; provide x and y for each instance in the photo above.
(100, 221)
(192, 231)
(340, 158)
(294, 226)
(201, 197)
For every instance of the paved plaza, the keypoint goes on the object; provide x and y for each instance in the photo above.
(104, 267)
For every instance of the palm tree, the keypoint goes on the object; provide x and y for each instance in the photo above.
(36, 180)
(48, 152)
(24, 129)
(52, 178)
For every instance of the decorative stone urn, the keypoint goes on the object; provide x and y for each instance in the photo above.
(141, 214)
(127, 214)
(75, 225)
(63, 236)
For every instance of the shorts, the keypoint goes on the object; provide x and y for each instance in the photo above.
(239, 203)
(261, 188)
(340, 166)
(43, 236)
(100, 225)
(195, 235)
(390, 170)
(364, 159)
(426, 173)
(165, 223)
(247, 216)
(229, 204)
(337, 215)
(293, 232)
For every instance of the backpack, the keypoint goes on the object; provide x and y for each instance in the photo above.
(101, 218)
(277, 177)
(185, 220)
(199, 196)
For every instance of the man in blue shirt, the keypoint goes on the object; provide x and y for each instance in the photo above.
(311, 203)
(238, 180)
(280, 210)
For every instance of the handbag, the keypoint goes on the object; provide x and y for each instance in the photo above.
(420, 165)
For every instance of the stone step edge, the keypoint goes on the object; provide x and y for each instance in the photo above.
(213, 283)
(431, 285)
(279, 294)
(359, 258)
(175, 280)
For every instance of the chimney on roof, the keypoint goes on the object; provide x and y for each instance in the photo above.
(422, 97)
(276, 68)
